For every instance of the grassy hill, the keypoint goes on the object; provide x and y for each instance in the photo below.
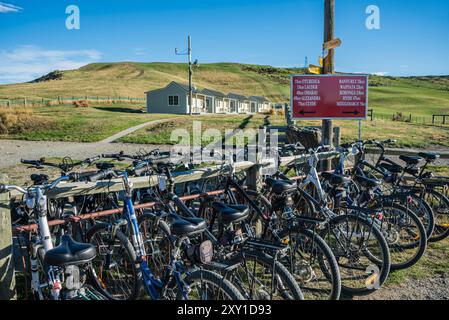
(417, 95)
(133, 79)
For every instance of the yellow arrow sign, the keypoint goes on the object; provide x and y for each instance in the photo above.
(315, 69)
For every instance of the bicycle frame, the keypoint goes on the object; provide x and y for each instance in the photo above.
(151, 283)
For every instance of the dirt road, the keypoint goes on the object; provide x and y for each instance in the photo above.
(12, 151)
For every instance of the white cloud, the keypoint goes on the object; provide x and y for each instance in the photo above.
(139, 51)
(27, 63)
(7, 8)
(380, 73)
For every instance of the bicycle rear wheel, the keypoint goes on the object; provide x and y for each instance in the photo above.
(405, 235)
(361, 252)
(440, 205)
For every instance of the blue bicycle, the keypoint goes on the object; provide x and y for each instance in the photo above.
(124, 265)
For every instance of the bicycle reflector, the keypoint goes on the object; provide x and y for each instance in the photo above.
(371, 280)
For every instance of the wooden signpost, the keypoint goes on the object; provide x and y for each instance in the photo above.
(328, 68)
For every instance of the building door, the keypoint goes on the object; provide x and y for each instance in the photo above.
(253, 107)
(233, 106)
(209, 108)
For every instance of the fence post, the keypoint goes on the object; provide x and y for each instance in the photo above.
(24, 102)
(7, 275)
(337, 136)
(254, 182)
(8, 103)
(444, 120)
(288, 115)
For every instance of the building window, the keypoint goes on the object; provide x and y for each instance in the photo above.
(173, 101)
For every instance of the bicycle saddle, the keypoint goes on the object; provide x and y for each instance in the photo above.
(367, 183)
(230, 213)
(39, 179)
(280, 186)
(70, 252)
(104, 165)
(411, 160)
(429, 157)
(186, 227)
(335, 179)
(392, 167)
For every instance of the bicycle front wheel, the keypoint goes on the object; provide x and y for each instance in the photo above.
(115, 270)
(261, 277)
(208, 285)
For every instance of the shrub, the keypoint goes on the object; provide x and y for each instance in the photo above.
(51, 103)
(15, 119)
(281, 112)
(81, 104)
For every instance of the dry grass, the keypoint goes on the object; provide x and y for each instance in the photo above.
(19, 120)
(81, 104)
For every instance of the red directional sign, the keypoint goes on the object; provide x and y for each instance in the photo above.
(317, 97)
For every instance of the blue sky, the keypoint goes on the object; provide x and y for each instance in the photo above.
(412, 39)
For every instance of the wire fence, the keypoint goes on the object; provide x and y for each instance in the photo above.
(25, 102)
(436, 120)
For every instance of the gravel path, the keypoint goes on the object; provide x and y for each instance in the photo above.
(128, 131)
(11, 151)
(436, 288)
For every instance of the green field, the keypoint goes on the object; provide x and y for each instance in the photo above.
(66, 123)
(419, 96)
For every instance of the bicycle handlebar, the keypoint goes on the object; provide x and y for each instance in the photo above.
(101, 175)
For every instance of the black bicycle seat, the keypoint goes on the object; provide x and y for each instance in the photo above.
(429, 157)
(393, 168)
(230, 213)
(70, 252)
(411, 160)
(39, 179)
(280, 186)
(104, 165)
(367, 183)
(412, 171)
(186, 227)
(335, 179)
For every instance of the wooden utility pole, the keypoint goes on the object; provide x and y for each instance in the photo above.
(328, 68)
(190, 75)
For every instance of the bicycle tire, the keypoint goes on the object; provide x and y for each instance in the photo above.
(228, 290)
(382, 264)
(128, 249)
(333, 271)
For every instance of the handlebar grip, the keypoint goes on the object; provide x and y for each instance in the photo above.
(100, 175)
(33, 162)
(3, 188)
(113, 155)
(76, 177)
(91, 160)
